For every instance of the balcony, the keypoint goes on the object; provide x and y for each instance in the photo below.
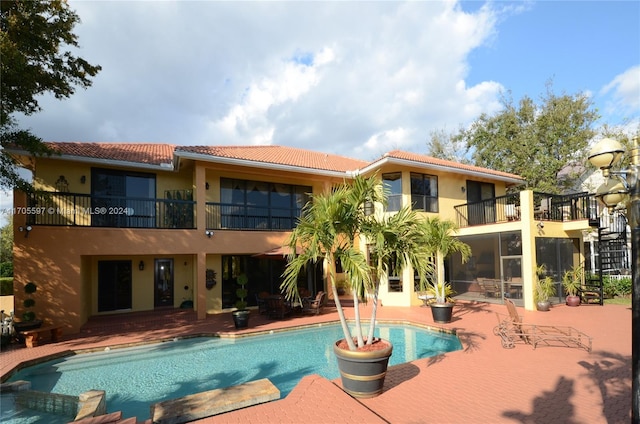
(548, 207)
(221, 216)
(85, 210)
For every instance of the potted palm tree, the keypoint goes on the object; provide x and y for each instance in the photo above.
(241, 314)
(442, 242)
(545, 289)
(572, 281)
(333, 226)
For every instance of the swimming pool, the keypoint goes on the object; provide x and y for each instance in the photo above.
(134, 378)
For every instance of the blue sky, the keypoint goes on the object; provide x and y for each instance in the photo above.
(353, 78)
(581, 45)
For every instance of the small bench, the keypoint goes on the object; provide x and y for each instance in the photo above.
(32, 338)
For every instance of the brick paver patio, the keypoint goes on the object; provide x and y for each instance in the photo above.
(483, 383)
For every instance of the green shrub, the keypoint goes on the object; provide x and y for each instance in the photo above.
(616, 287)
(6, 286)
(6, 269)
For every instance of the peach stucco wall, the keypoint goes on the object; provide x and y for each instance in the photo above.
(62, 261)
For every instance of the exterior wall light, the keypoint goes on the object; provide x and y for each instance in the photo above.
(605, 155)
(141, 266)
(208, 233)
(26, 230)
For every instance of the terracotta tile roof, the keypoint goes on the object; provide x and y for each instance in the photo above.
(147, 153)
(430, 160)
(157, 154)
(279, 155)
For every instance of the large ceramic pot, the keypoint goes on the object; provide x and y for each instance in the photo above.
(573, 300)
(543, 306)
(241, 318)
(363, 372)
(442, 312)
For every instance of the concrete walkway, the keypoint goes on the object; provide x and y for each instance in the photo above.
(483, 383)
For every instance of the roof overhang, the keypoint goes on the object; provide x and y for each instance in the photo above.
(169, 166)
(468, 172)
(262, 165)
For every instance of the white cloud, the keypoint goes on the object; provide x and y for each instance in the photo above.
(248, 121)
(388, 140)
(339, 77)
(625, 91)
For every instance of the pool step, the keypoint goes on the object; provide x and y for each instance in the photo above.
(213, 402)
(112, 418)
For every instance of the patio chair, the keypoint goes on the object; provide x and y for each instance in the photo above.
(490, 287)
(278, 307)
(511, 212)
(314, 305)
(262, 302)
(511, 329)
(542, 212)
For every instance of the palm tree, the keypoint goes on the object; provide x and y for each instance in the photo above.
(397, 240)
(442, 241)
(330, 228)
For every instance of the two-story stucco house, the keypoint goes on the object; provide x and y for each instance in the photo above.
(123, 227)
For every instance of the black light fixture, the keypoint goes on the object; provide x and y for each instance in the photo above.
(618, 184)
(206, 186)
(26, 229)
(83, 179)
(141, 266)
(463, 189)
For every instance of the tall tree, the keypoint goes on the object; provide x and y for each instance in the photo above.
(445, 145)
(35, 37)
(533, 140)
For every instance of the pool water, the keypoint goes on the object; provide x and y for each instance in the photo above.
(135, 378)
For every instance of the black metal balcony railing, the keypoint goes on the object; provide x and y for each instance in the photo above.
(248, 217)
(548, 207)
(489, 211)
(85, 210)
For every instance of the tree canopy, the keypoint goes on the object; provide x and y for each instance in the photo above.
(35, 42)
(534, 140)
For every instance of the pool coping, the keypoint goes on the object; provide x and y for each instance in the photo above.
(219, 334)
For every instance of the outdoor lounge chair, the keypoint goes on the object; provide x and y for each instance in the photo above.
(511, 329)
(314, 305)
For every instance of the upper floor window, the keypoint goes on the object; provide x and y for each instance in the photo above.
(261, 205)
(393, 187)
(128, 197)
(424, 192)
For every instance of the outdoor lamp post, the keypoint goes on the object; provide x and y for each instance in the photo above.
(605, 154)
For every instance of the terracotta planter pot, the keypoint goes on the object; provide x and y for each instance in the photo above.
(573, 300)
(363, 373)
(442, 312)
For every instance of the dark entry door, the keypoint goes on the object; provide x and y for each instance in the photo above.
(481, 201)
(163, 283)
(114, 285)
